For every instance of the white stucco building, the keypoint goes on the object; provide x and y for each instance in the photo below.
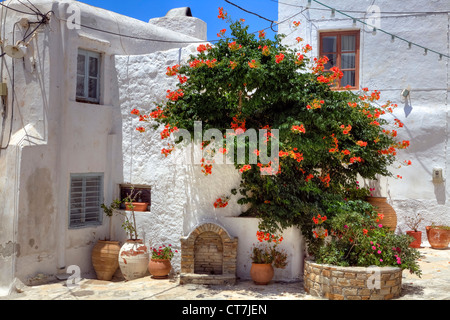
(66, 123)
(67, 137)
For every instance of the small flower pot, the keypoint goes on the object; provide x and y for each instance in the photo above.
(261, 273)
(417, 235)
(159, 268)
(138, 206)
(438, 238)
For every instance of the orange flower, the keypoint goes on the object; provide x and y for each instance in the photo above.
(279, 58)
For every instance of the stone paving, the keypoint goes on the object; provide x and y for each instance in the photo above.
(433, 285)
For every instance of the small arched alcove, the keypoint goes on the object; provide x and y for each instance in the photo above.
(208, 256)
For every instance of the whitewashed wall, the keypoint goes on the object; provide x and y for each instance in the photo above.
(391, 67)
(53, 135)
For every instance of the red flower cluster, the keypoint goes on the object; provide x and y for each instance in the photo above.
(266, 236)
(204, 47)
(174, 95)
(222, 14)
(167, 131)
(246, 167)
(171, 71)
(298, 129)
(279, 58)
(221, 202)
(234, 46)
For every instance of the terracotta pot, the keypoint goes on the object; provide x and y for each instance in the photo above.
(381, 206)
(437, 237)
(138, 206)
(417, 235)
(133, 259)
(105, 259)
(261, 273)
(159, 268)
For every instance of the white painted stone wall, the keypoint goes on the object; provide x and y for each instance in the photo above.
(391, 67)
(182, 196)
(53, 135)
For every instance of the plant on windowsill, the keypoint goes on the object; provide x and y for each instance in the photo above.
(265, 256)
(413, 223)
(105, 253)
(133, 255)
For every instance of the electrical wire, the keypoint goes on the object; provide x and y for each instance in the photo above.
(404, 13)
(393, 36)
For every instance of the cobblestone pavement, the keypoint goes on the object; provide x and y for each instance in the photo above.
(433, 285)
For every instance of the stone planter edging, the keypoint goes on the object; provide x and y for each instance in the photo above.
(352, 283)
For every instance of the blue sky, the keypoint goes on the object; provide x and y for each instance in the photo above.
(207, 10)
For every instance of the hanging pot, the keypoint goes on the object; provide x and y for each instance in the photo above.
(159, 268)
(133, 259)
(261, 273)
(105, 259)
(381, 206)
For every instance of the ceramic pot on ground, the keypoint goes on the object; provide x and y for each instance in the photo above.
(381, 206)
(105, 259)
(159, 268)
(133, 259)
(437, 237)
(261, 273)
(417, 235)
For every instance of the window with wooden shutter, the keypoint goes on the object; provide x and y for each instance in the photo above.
(342, 50)
(86, 194)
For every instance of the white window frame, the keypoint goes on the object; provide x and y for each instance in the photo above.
(85, 97)
(82, 212)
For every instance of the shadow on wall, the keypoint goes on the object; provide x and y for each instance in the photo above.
(439, 191)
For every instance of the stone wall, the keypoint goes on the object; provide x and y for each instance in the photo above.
(352, 283)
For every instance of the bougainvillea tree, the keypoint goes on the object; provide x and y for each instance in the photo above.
(327, 138)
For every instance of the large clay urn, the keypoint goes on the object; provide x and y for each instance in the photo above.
(381, 206)
(105, 258)
(133, 259)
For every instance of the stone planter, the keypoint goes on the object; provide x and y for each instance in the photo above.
(352, 283)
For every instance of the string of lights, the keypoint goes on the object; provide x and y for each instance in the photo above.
(308, 6)
(393, 36)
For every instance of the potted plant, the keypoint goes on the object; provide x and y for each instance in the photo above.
(159, 265)
(133, 255)
(265, 256)
(137, 203)
(106, 252)
(438, 236)
(413, 223)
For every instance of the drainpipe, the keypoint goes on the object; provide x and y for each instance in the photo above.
(58, 56)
